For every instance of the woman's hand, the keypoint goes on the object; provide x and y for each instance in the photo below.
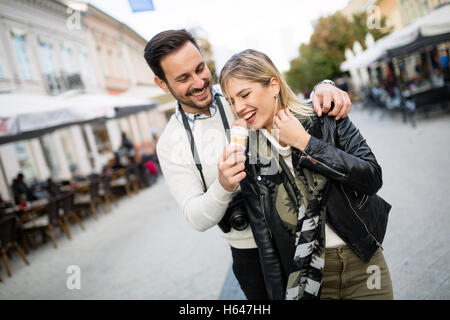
(289, 130)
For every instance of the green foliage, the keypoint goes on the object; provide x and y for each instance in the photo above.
(322, 57)
(206, 51)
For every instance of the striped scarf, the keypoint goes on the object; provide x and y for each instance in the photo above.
(309, 256)
(301, 206)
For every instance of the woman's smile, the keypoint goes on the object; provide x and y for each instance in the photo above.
(249, 116)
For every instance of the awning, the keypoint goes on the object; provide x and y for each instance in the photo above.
(433, 29)
(430, 29)
(144, 91)
(99, 105)
(420, 42)
(27, 112)
(24, 116)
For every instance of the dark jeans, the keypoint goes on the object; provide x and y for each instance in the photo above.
(247, 269)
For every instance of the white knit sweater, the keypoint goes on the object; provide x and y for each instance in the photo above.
(201, 210)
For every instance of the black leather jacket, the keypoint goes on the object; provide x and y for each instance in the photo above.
(358, 216)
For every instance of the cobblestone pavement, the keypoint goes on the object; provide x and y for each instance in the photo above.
(145, 250)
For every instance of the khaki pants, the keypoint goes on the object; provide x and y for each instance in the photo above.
(346, 276)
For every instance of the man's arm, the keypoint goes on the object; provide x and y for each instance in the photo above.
(201, 210)
(326, 92)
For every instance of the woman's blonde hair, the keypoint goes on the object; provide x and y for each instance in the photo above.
(255, 66)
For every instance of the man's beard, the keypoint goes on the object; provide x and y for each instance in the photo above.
(184, 100)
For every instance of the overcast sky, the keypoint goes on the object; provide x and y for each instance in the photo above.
(274, 27)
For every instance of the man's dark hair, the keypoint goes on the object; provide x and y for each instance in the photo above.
(161, 45)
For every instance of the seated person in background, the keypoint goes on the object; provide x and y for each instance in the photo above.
(20, 189)
(151, 167)
(52, 187)
(127, 144)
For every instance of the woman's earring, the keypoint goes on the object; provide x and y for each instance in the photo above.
(275, 109)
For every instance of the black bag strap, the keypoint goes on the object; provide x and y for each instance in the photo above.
(191, 136)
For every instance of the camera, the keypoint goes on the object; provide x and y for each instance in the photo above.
(236, 216)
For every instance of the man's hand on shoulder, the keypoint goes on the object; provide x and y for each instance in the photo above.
(324, 94)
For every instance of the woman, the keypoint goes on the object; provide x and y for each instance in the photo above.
(316, 218)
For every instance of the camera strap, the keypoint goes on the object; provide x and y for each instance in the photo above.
(223, 116)
(191, 136)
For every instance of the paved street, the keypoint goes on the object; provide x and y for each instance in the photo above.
(145, 250)
(416, 183)
(141, 250)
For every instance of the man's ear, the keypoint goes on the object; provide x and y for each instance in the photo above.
(162, 84)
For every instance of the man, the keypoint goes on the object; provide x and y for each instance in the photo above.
(127, 145)
(20, 189)
(179, 68)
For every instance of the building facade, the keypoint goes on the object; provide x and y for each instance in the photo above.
(58, 48)
(117, 52)
(398, 13)
(40, 52)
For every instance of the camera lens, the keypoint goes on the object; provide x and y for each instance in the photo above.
(238, 222)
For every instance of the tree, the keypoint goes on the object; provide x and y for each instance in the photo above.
(206, 50)
(322, 57)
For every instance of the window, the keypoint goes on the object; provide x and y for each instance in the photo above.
(112, 69)
(67, 59)
(19, 47)
(26, 161)
(102, 58)
(85, 67)
(119, 66)
(46, 53)
(84, 63)
(101, 137)
(2, 71)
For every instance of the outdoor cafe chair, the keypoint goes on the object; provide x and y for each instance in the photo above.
(8, 232)
(132, 176)
(105, 191)
(143, 175)
(45, 223)
(90, 199)
(67, 209)
(120, 180)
